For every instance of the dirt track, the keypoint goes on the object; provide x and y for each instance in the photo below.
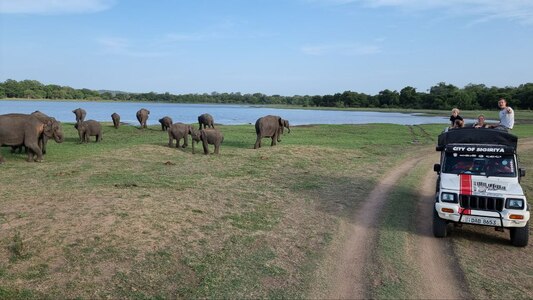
(432, 255)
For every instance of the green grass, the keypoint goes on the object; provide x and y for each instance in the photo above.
(132, 218)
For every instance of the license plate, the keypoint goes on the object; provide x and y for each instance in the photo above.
(481, 221)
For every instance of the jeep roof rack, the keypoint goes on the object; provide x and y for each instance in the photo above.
(471, 135)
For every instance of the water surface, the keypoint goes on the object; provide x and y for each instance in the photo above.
(222, 113)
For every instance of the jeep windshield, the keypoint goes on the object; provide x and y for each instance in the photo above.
(480, 164)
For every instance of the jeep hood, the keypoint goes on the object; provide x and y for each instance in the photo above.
(481, 185)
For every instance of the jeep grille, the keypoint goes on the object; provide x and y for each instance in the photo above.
(481, 202)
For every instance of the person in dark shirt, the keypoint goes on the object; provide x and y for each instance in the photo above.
(455, 116)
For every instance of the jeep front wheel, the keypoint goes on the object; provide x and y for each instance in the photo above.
(520, 235)
(440, 227)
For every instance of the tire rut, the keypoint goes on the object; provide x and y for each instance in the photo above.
(434, 257)
(350, 281)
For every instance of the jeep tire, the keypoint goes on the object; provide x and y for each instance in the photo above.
(520, 235)
(440, 226)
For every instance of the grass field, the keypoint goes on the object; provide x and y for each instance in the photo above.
(132, 218)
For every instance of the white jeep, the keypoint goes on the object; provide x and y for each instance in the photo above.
(479, 183)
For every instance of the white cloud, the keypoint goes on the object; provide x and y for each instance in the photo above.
(54, 7)
(483, 10)
(340, 49)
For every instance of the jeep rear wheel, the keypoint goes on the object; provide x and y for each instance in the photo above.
(440, 227)
(520, 235)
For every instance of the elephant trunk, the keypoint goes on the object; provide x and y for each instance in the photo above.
(58, 137)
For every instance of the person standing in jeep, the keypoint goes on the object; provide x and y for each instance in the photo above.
(506, 116)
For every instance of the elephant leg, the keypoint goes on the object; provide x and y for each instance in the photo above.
(185, 141)
(34, 150)
(43, 143)
(206, 147)
(258, 142)
(273, 141)
(217, 148)
(170, 141)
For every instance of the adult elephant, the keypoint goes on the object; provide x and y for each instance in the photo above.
(211, 136)
(80, 114)
(268, 126)
(116, 120)
(166, 122)
(142, 116)
(206, 120)
(22, 129)
(178, 131)
(87, 129)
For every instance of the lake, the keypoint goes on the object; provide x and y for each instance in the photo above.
(222, 113)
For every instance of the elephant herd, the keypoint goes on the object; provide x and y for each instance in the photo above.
(32, 131)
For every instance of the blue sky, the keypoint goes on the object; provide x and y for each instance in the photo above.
(286, 47)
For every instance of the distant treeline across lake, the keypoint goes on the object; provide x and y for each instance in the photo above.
(222, 113)
(441, 96)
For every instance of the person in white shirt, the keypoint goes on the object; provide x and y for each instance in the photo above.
(506, 116)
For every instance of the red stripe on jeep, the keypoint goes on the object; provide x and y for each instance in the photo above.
(465, 184)
(465, 211)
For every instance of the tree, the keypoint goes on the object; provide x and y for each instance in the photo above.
(409, 98)
(388, 98)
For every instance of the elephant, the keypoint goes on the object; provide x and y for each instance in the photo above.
(210, 136)
(43, 140)
(116, 120)
(166, 122)
(142, 116)
(206, 120)
(80, 114)
(268, 126)
(178, 131)
(22, 129)
(89, 128)
(285, 125)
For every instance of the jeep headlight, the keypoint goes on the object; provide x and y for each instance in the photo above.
(448, 197)
(515, 204)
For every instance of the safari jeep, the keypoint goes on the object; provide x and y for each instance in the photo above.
(479, 183)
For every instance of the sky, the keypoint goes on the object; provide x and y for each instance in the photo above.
(274, 47)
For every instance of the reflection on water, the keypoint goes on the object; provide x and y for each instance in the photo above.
(222, 113)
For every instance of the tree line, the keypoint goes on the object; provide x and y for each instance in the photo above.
(440, 96)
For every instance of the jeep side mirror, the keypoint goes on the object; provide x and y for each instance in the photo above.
(522, 172)
(436, 168)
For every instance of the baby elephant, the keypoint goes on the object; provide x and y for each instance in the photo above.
(206, 120)
(116, 120)
(178, 131)
(87, 129)
(166, 122)
(208, 136)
